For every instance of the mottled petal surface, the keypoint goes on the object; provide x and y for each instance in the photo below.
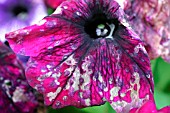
(72, 65)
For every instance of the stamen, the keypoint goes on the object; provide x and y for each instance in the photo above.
(101, 26)
(101, 30)
(112, 27)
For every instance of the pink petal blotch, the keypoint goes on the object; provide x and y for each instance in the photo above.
(150, 107)
(53, 3)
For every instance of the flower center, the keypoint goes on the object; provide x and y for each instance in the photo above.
(100, 27)
(102, 30)
(17, 10)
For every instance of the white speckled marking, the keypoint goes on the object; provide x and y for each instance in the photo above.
(78, 13)
(52, 95)
(42, 77)
(76, 76)
(135, 102)
(148, 76)
(18, 95)
(65, 98)
(49, 66)
(86, 75)
(65, 7)
(87, 102)
(7, 87)
(105, 89)
(56, 75)
(114, 92)
(100, 77)
(136, 49)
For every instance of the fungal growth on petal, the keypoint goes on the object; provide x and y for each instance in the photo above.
(16, 96)
(85, 54)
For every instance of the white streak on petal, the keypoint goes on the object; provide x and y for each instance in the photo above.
(18, 95)
(114, 92)
(52, 95)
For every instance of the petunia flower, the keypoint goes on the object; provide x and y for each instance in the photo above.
(16, 96)
(85, 54)
(149, 107)
(53, 3)
(17, 14)
(151, 21)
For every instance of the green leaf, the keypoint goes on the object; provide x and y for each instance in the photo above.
(161, 99)
(50, 11)
(161, 72)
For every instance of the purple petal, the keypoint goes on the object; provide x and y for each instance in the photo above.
(71, 67)
(17, 14)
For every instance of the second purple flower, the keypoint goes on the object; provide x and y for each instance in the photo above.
(17, 14)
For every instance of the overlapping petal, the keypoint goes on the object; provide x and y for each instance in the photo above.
(70, 67)
(151, 21)
(150, 107)
(16, 96)
(53, 3)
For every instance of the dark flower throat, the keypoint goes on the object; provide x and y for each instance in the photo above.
(19, 9)
(99, 26)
